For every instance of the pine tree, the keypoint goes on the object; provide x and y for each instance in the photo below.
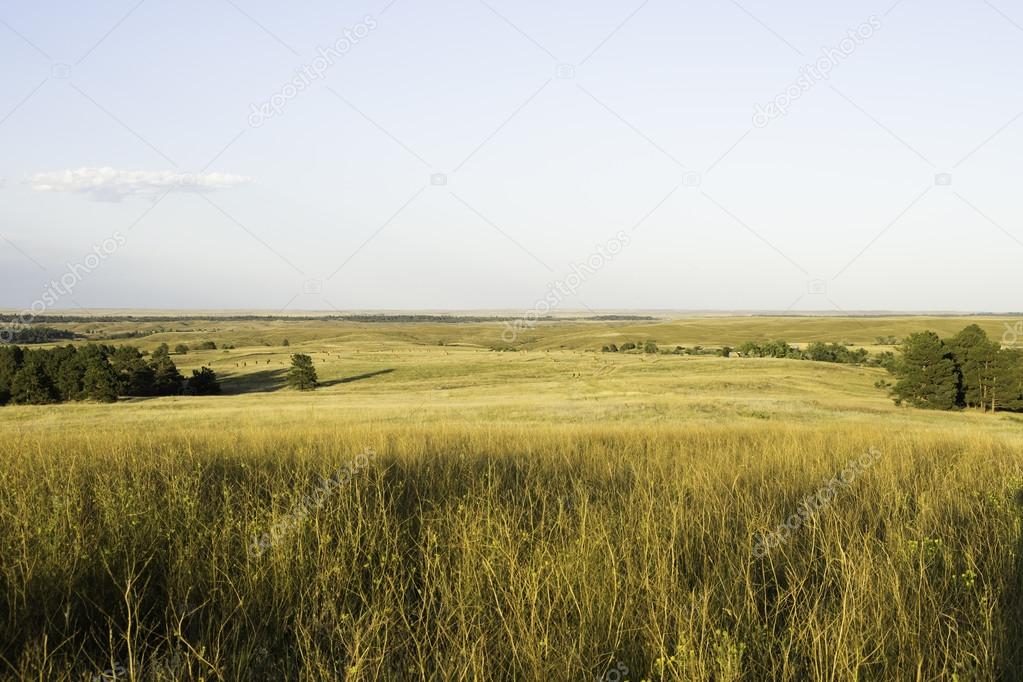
(11, 358)
(302, 374)
(167, 380)
(975, 355)
(927, 374)
(135, 376)
(203, 382)
(31, 385)
(99, 381)
(69, 378)
(1007, 387)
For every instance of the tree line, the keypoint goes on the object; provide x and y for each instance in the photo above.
(967, 370)
(94, 372)
(38, 335)
(816, 351)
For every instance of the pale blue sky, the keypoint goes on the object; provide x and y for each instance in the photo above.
(655, 125)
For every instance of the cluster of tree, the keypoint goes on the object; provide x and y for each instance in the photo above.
(135, 334)
(93, 372)
(700, 350)
(302, 374)
(768, 349)
(967, 370)
(640, 346)
(835, 352)
(817, 351)
(38, 335)
(613, 318)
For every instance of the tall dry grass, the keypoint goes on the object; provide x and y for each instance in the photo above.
(550, 552)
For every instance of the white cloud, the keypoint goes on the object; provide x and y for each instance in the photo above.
(110, 184)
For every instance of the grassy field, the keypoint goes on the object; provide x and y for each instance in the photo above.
(442, 508)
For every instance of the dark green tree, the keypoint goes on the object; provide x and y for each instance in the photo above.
(167, 380)
(11, 358)
(203, 382)
(135, 376)
(99, 382)
(1007, 380)
(820, 352)
(31, 385)
(927, 374)
(68, 379)
(975, 355)
(302, 374)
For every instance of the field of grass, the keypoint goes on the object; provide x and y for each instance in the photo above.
(444, 509)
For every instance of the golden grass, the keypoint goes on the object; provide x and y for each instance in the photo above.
(558, 515)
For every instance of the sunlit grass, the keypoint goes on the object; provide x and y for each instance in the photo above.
(533, 515)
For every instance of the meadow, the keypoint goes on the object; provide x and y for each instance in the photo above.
(452, 506)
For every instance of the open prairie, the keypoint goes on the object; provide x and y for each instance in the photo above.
(449, 505)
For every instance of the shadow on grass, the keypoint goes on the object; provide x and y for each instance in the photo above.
(263, 381)
(270, 380)
(357, 377)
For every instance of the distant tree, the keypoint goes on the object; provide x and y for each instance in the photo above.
(99, 381)
(135, 376)
(10, 362)
(36, 334)
(779, 349)
(203, 382)
(819, 352)
(726, 351)
(167, 380)
(649, 347)
(69, 374)
(927, 374)
(975, 355)
(181, 349)
(768, 349)
(206, 345)
(628, 345)
(288, 343)
(89, 372)
(31, 385)
(886, 360)
(302, 374)
(834, 352)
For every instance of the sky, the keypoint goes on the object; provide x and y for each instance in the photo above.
(492, 155)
